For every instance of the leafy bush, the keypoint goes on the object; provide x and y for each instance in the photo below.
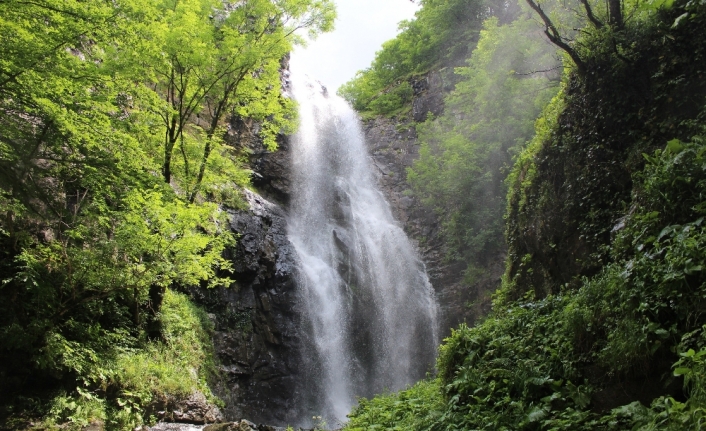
(118, 388)
(415, 408)
(548, 359)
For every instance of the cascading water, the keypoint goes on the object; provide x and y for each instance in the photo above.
(368, 307)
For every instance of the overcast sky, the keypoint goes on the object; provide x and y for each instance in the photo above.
(361, 28)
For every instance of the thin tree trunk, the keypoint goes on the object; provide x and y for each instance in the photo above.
(170, 141)
(555, 37)
(615, 13)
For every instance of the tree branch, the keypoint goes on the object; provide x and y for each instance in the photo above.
(589, 13)
(555, 37)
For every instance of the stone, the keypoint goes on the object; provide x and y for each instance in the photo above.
(195, 410)
(94, 425)
(256, 335)
(241, 425)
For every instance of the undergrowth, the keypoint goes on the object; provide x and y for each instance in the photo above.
(122, 388)
(621, 348)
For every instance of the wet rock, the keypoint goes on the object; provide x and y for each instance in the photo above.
(245, 425)
(256, 328)
(168, 426)
(195, 409)
(242, 425)
(95, 425)
(270, 168)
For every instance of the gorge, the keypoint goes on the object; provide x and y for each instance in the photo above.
(319, 222)
(506, 232)
(369, 310)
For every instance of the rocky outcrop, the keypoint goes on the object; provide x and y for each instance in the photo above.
(394, 147)
(195, 409)
(270, 169)
(429, 91)
(256, 337)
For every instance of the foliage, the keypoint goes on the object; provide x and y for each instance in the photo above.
(415, 408)
(443, 33)
(464, 152)
(119, 389)
(112, 169)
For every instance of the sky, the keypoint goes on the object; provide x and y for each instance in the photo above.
(361, 28)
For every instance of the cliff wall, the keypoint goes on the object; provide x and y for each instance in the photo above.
(257, 335)
(393, 148)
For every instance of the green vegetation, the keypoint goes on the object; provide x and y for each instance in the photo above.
(465, 152)
(113, 169)
(443, 33)
(599, 324)
(416, 408)
(139, 378)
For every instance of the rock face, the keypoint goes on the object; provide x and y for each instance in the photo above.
(429, 91)
(270, 168)
(394, 147)
(193, 410)
(256, 338)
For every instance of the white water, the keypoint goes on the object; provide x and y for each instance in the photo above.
(368, 307)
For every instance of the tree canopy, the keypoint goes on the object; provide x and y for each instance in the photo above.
(113, 164)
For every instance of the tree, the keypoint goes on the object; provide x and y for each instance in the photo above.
(614, 18)
(227, 61)
(95, 99)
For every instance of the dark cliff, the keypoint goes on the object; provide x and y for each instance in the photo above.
(256, 340)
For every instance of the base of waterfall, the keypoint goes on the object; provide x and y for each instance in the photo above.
(242, 425)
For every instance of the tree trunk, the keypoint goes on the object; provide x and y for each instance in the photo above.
(154, 324)
(169, 143)
(615, 14)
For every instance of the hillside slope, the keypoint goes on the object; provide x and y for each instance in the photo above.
(599, 323)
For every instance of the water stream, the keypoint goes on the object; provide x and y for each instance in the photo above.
(368, 308)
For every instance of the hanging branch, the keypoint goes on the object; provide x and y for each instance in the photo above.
(554, 36)
(589, 14)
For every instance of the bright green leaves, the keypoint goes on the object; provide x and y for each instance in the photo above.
(515, 370)
(99, 102)
(209, 60)
(159, 242)
(414, 409)
(489, 114)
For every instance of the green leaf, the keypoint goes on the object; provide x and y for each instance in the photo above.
(679, 19)
(674, 146)
(536, 414)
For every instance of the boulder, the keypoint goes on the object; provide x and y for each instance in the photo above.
(195, 409)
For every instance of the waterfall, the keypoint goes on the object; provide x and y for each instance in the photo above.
(368, 308)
